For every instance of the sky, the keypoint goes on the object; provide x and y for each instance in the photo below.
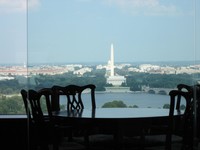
(64, 31)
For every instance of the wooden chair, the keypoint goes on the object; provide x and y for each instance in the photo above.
(167, 127)
(182, 125)
(43, 129)
(195, 90)
(73, 95)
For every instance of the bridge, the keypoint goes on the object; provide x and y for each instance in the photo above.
(163, 91)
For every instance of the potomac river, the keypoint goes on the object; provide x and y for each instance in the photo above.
(130, 99)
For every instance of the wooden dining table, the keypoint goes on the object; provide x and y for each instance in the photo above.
(117, 121)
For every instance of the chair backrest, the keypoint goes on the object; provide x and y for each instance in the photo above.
(185, 121)
(196, 93)
(195, 90)
(182, 125)
(73, 94)
(37, 103)
(176, 96)
(24, 95)
(185, 88)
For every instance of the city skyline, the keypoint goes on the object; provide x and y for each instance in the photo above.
(82, 31)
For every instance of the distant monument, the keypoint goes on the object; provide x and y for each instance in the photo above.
(113, 79)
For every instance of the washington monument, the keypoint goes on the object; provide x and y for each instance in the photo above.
(115, 80)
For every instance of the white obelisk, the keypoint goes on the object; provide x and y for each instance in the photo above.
(112, 61)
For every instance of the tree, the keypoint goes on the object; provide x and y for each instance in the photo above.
(134, 106)
(166, 106)
(114, 104)
(12, 105)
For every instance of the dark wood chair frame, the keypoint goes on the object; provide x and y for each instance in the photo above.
(166, 127)
(73, 94)
(43, 130)
(181, 126)
(195, 118)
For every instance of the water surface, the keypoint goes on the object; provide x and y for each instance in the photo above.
(142, 100)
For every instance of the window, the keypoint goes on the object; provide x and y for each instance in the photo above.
(50, 42)
(153, 43)
(13, 58)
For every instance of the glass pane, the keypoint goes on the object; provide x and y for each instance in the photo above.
(197, 76)
(13, 57)
(70, 42)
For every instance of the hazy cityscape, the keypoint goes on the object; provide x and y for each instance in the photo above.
(9, 71)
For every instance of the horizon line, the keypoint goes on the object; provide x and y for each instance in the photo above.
(103, 62)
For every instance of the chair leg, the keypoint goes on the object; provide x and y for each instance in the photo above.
(168, 141)
(142, 141)
(118, 140)
(44, 147)
(55, 147)
(86, 140)
(70, 136)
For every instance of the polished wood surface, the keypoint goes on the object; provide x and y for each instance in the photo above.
(119, 121)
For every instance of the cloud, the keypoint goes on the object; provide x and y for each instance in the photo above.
(145, 7)
(13, 6)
